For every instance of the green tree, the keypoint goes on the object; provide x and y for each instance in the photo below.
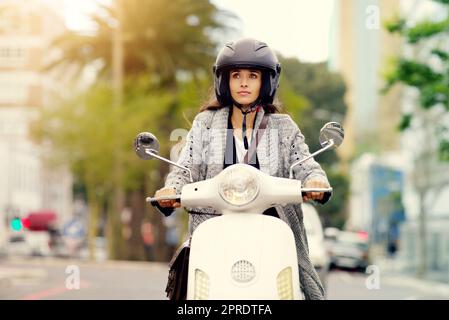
(426, 71)
(148, 44)
(159, 37)
(322, 95)
(79, 133)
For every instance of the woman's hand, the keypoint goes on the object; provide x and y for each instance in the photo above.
(314, 184)
(167, 203)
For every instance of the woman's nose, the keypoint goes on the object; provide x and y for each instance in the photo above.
(243, 82)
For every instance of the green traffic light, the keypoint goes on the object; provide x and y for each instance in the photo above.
(16, 224)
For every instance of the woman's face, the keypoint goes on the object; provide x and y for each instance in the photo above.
(245, 85)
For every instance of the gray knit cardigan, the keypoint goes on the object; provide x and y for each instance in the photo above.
(281, 145)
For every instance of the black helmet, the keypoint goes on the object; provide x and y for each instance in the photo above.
(247, 53)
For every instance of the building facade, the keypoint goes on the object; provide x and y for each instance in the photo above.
(28, 182)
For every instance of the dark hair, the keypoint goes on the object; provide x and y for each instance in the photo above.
(212, 104)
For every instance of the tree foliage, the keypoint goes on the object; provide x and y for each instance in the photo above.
(426, 72)
(321, 93)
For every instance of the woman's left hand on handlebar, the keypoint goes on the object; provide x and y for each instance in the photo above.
(314, 183)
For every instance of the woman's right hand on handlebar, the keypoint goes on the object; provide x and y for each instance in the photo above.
(167, 203)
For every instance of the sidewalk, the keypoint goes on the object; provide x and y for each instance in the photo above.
(395, 272)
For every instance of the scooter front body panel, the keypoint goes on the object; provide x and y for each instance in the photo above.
(241, 256)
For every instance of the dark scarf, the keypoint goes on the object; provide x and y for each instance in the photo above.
(230, 151)
(251, 107)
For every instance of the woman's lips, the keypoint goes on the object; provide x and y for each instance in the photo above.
(243, 93)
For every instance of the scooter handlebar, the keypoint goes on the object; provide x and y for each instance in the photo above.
(154, 201)
(327, 193)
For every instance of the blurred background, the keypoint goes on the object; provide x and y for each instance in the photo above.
(79, 79)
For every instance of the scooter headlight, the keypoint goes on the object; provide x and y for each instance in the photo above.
(239, 186)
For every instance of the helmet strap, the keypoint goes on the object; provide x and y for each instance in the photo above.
(251, 107)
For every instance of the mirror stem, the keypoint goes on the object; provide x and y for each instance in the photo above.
(330, 144)
(151, 153)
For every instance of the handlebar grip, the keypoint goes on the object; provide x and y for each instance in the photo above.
(303, 193)
(327, 195)
(154, 201)
(166, 211)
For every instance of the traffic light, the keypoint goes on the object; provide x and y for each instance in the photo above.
(16, 224)
(26, 223)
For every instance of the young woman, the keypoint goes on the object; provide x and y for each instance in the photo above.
(246, 76)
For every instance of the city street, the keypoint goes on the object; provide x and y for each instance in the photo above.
(345, 285)
(224, 105)
(38, 279)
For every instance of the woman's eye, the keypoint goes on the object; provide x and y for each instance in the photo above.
(251, 76)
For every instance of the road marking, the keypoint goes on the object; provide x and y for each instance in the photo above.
(52, 292)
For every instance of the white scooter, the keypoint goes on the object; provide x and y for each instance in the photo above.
(231, 256)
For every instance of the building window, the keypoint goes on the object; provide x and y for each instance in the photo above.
(12, 57)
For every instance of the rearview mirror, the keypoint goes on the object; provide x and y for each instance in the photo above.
(331, 136)
(332, 131)
(147, 147)
(146, 141)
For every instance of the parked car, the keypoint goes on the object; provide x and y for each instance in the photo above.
(315, 239)
(350, 250)
(330, 234)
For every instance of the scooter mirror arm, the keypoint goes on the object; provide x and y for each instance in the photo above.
(153, 154)
(329, 145)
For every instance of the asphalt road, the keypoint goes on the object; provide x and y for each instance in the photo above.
(57, 279)
(347, 285)
(36, 279)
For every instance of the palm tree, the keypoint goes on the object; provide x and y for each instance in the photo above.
(156, 37)
(159, 36)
